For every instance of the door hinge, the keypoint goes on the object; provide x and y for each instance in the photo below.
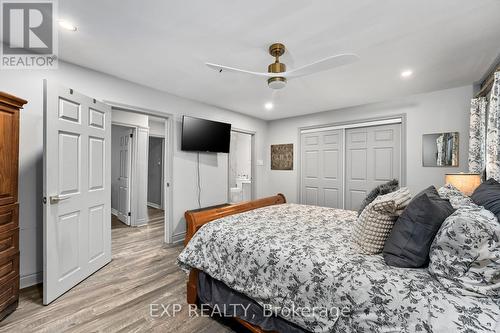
(129, 214)
(131, 135)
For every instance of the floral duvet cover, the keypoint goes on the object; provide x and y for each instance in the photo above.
(298, 262)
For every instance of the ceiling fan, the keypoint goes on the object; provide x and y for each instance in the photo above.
(278, 75)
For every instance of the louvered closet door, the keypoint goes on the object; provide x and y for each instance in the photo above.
(321, 169)
(373, 157)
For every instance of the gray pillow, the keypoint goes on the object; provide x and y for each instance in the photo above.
(382, 189)
(411, 237)
(488, 196)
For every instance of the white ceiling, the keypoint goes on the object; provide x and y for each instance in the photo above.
(164, 44)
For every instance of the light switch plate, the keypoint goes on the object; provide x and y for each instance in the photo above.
(260, 162)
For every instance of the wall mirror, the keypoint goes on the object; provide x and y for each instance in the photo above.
(440, 149)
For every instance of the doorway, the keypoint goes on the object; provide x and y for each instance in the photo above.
(77, 182)
(241, 171)
(156, 169)
(155, 172)
(150, 167)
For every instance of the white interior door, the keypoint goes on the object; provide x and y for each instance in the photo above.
(373, 157)
(124, 176)
(322, 169)
(77, 189)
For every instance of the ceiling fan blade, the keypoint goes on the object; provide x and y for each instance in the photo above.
(323, 65)
(221, 69)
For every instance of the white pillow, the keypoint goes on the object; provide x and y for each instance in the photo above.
(457, 198)
(377, 219)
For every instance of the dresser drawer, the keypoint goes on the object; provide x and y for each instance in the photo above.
(9, 243)
(9, 293)
(9, 268)
(9, 217)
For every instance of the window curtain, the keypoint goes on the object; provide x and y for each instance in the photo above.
(493, 131)
(477, 135)
(484, 135)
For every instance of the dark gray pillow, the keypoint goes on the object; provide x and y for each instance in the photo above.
(411, 237)
(488, 196)
(382, 189)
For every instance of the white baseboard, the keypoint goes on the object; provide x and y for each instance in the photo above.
(178, 238)
(150, 204)
(114, 212)
(30, 280)
(141, 222)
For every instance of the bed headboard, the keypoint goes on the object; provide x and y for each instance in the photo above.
(196, 219)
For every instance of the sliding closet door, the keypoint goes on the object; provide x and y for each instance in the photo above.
(373, 156)
(321, 169)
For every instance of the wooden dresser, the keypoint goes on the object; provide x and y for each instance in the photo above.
(9, 207)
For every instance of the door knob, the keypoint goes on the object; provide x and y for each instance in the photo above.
(55, 199)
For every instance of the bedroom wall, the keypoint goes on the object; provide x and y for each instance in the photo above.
(439, 111)
(214, 168)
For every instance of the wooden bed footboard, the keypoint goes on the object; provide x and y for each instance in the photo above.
(196, 219)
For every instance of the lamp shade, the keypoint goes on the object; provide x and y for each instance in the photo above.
(465, 182)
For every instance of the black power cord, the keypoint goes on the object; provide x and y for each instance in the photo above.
(199, 180)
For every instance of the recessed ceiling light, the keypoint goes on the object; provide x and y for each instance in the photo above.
(406, 73)
(269, 106)
(67, 25)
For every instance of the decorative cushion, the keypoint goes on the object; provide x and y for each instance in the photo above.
(465, 254)
(376, 221)
(411, 237)
(488, 196)
(385, 188)
(457, 198)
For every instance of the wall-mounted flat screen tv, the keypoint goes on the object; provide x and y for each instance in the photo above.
(205, 135)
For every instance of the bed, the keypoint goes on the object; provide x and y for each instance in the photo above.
(297, 262)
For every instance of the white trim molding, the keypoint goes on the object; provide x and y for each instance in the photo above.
(153, 205)
(30, 280)
(178, 238)
(397, 120)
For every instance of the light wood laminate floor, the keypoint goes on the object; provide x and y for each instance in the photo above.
(117, 298)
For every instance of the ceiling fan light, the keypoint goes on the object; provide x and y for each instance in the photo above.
(276, 82)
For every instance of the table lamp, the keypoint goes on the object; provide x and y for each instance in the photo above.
(465, 182)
